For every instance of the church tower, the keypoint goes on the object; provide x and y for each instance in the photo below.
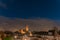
(27, 28)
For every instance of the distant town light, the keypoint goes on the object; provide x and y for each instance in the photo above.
(25, 39)
(30, 33)
(15, 36)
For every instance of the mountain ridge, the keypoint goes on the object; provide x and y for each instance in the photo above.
(34, 24)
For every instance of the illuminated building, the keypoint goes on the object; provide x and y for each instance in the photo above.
(27, 28)
(26, 33)
(22, 32)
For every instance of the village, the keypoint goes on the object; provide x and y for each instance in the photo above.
(26, 34)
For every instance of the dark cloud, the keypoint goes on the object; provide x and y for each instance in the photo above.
(3, 5)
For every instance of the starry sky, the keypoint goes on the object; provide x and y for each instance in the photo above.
(30, 9)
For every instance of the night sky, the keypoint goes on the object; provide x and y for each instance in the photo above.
(30, 9)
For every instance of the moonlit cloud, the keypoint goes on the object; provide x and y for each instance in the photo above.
(3, 5)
